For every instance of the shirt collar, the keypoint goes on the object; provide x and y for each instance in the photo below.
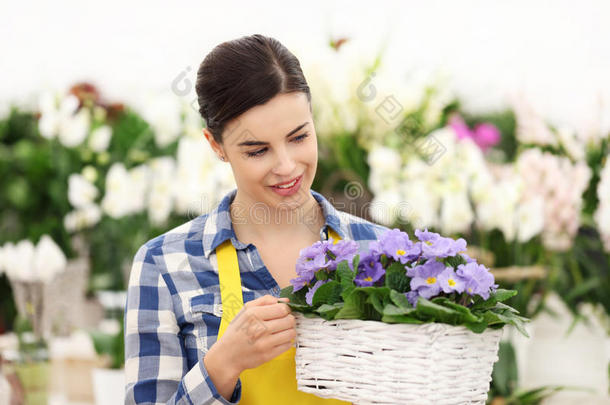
(218, 226)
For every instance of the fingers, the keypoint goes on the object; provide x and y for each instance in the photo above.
(279, 338)
(280, 324)
(273, 311)
(265, 300)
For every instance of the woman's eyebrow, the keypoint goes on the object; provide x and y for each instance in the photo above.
(258, 143)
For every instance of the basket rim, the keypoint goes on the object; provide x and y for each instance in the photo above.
(425, 325)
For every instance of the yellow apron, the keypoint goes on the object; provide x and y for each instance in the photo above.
(273, 382)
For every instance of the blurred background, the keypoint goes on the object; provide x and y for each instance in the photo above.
(483, 120)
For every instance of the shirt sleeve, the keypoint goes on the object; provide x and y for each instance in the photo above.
(155, 354)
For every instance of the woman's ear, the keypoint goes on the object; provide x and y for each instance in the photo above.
(214, 145)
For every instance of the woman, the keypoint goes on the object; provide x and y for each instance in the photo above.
(188, 287)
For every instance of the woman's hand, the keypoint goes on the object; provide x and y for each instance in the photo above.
(262, 330)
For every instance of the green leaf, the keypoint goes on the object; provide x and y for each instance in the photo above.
(501, 305)
(328, 293)
(435, 312)
(400, 299)
(467, 316)
(378, 297)
(476, 327)
(328, 312)
(355, 263)
(504, 374)
(295, 298)
(353, 308)
(396, 277)
(346, 277)
(454, 261)
(498, 296)
(400, 319)
(536, 395)
(391, 309)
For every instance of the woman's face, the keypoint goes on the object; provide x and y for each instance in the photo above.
(271, 144)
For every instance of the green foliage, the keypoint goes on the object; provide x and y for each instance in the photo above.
(34, 174)
(341, 299)
(110, 345)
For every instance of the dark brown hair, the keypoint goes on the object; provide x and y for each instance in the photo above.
(240, 74)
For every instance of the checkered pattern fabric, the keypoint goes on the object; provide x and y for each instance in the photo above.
(173, 307)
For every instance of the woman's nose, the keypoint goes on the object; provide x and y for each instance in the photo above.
(284, 164)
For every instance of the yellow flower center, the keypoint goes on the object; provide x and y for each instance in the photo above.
(428, 243)
(400, 252)
(451, 282)
(431, 280)
(470, 290)
(372, 264)
(369, 278)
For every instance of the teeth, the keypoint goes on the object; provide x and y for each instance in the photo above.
(288, 185)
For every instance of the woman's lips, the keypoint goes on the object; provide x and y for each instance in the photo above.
(290, 190)
(286, 182)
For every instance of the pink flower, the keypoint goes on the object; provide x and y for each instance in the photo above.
(485, 135)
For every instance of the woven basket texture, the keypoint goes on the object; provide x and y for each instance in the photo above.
(370, 362)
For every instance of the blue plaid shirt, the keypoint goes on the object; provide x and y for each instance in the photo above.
(173, 308)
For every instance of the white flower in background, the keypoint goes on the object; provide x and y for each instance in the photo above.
(162, 112)
(497, 209)
(385, 164)
(48, 259)
(570, 140)
(99, 140)
(561, 184)
(384, 159)
(53, 115)
(63, 120)
(201, 178)
(385, 207)
(90, 173)
(82, 218)
(530, 218)
(140, 182)
(602, 213)
(74, 130)
(531, 128)
(456, 214)
(18, 260)
(161, 199)
(441, 97)
(435, 192)
(29, 263)
(126, 191)
(193, 122)
(81, 192)
(422, 205)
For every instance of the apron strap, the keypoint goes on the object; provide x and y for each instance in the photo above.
(229, 281)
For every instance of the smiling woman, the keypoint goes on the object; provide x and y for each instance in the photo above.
(220, 274)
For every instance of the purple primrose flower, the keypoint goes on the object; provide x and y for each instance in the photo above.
(370, 270)
(395, 244)
(434, 245)
(425, 278)
(477, 279)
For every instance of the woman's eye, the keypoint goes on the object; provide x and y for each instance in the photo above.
(256, 153)
(260, 152)
(300, 138)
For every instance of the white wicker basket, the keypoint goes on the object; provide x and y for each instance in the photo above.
(370, 362)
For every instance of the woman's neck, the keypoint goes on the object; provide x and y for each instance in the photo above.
(255, 222)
